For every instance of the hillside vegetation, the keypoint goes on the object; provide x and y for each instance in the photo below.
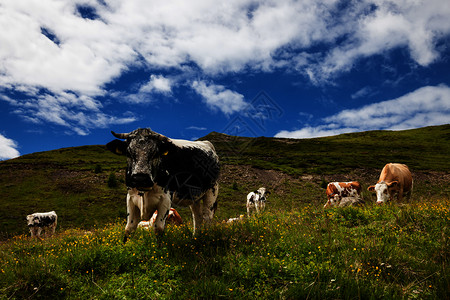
(372, 252)
(296, 249)
(74, 181)
(421, 149)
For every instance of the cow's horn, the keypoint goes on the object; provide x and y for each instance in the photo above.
(120, 135)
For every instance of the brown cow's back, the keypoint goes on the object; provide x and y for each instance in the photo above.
(343, 188)
(397, 172)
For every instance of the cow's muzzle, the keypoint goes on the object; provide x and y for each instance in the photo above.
(140, 181)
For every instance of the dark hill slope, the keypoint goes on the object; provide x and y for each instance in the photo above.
(74, 181)
(421, 149)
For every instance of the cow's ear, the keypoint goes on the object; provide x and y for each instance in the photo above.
(392, 184)
(267, 192)
(165, 146)
(371, 188)
(117, 147)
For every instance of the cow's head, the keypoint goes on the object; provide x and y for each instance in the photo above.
(32, 220)
(263, 194)
(144, 149)
(384, 190)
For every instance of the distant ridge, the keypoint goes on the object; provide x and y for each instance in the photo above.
(425, 148)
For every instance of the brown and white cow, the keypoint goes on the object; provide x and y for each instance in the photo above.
(394, 179)
(338, 190)
(173, 218)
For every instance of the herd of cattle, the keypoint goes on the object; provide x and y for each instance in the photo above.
(163, 171)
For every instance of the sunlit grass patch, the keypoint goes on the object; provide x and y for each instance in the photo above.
(392, 251)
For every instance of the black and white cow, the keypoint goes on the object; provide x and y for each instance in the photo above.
(161, 171)
(39, 222)
(257, 200)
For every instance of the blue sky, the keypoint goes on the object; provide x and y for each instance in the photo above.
(71, 71)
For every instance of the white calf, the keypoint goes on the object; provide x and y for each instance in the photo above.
(233, 220)
(257, 200)
(39, 222)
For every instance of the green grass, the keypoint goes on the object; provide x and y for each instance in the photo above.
(295, 250)
(372, 252)
(74, 181)
(421, 149)
(66, 180)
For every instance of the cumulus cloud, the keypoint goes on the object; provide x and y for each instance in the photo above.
(376, 27)
(158, 84)
(84, 54)
(89, 52)
(426, 106)
(8, 148)
(218, 97)
(81, 46)
(77, 113)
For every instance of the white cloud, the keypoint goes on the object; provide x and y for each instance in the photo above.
(426, 106)
(312, 132)
(159, 84)
(362, 92)
(78, 113)
(415, 25)
(216, 38)
(89, 54)
(223, 37)
(218, 97)
(196, 128)
(8, 148)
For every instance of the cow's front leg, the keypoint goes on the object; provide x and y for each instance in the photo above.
(263, 206)
(257, 205)
(133, 212)
(34, 231)
(163, 211)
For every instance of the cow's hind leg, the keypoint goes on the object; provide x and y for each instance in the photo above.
(203, 210)
(409, 193)
(52, 229)
(408, 196)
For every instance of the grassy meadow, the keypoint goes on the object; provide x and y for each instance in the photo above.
(294, 250)
(370, 252)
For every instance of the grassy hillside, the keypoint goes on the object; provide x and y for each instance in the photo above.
(74, 181)
(64, 180)
(421, 149)
(371, 252)
(296, 249)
